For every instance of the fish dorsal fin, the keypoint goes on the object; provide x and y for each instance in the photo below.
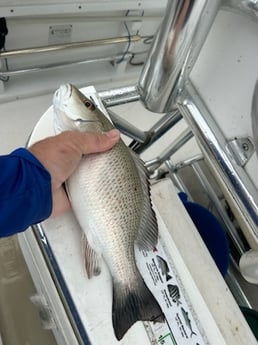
(91, 258)
(148, 231)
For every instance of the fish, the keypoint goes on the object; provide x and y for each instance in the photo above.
(164, 267)
(110, 196)
(187, 321)
(174, 293)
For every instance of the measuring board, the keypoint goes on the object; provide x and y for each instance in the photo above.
(182, 326)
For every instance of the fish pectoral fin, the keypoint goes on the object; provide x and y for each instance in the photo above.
(91, 259)
(148, 230)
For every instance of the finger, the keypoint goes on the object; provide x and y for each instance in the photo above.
(98, 142)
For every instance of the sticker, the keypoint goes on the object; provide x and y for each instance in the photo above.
(181, 326)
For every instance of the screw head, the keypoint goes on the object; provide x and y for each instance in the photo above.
(245, 146)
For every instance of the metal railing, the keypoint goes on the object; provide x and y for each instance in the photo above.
(66, 46)
(164, 84)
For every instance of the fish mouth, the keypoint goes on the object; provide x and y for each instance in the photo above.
(64, 92)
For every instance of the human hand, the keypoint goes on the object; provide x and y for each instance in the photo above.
(61, 154)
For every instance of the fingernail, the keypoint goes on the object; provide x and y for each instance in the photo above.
(114, 133)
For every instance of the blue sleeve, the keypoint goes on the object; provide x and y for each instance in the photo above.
(25, 192)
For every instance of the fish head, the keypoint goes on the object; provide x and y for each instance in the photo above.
(73, 110)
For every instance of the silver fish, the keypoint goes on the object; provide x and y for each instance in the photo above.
(109, 194)
(187, 321)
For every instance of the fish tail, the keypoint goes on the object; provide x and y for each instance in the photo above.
(130, 306)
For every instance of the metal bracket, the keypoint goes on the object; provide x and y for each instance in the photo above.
(241, 149)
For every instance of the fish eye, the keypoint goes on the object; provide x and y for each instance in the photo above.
(89, 105)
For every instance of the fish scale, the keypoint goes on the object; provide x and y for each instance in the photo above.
(110, 197)
(124, 217)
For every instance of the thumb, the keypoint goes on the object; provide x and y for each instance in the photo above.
(98, 142)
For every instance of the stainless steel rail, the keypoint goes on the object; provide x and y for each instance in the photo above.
(182, 139)
(254, 117)
(236, 289)
(233, 177)
(127, 128)
(119, 95)
(163, 84)
(12, 73)
(177, 45)
(73, 45)
(231, 230)
(174, 51)
(248, 7)
(85, 18)
(157, 130)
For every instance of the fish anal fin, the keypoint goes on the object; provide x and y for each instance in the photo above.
(130, 306)
(91, 258)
